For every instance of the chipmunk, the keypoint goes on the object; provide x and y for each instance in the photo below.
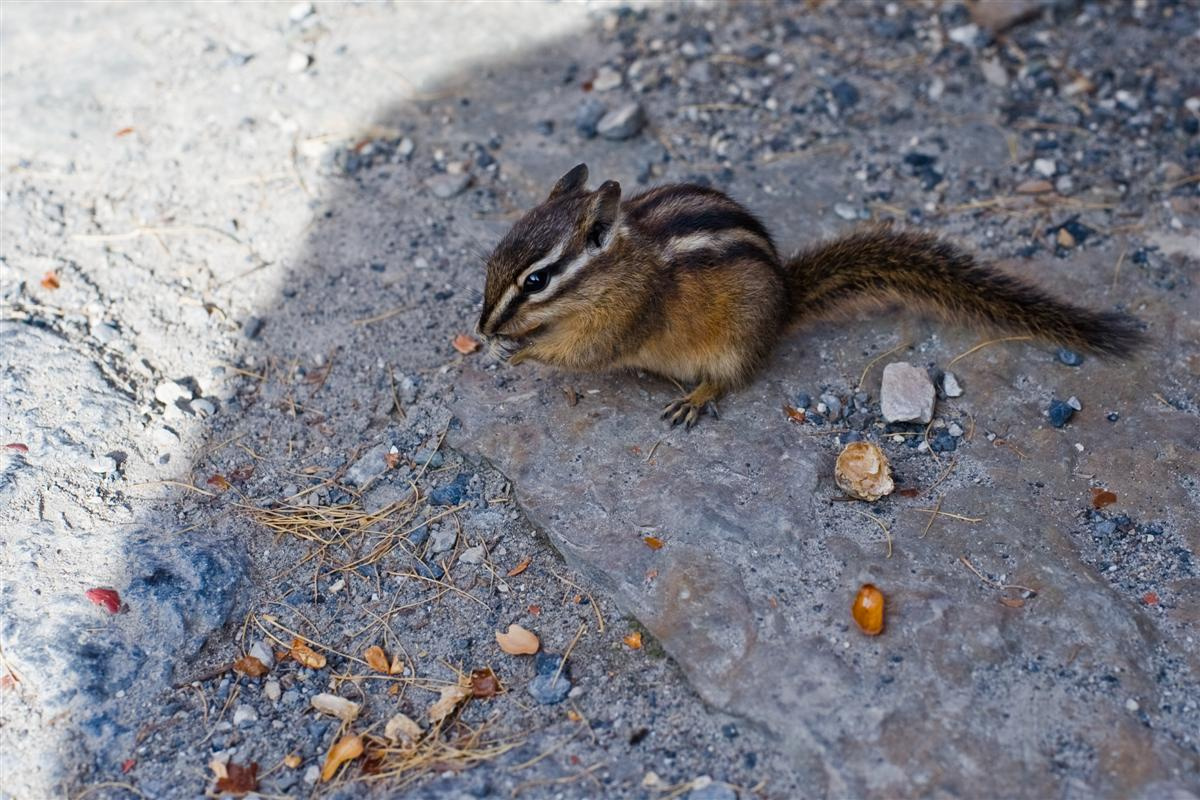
(684, 282)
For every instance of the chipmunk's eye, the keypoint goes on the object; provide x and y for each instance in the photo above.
(536, 281)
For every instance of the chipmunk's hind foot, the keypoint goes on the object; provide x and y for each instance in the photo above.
(688, 409)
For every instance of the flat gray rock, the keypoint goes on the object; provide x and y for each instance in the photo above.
(906, 394)
(752, 587)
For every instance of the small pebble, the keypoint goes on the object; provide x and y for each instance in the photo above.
(263, 653)
(202, 408)
(1131, 705)
(451, 494)
(943, 443)
(1069, 357)
(588, 116)
(170, 392)
(950, 385)
(606, 79)
(447, 186)
(1074, 403)
(252, 327)
(427, 455)
(443, 540)
(546, 690)
(803, 400)
(312, 774)
(244, 714)
(298, 62)
(1113, 416)
(844, 94)
(165, 438)
(833, 406)
(1045, 167)
(994, 72)
(300, 10)
(967, 35)
(472, 555)
(845, 211)
(622, 123)
(102, 465)
(955, 430)
(1060, 413)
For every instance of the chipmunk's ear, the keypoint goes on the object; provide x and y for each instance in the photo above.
(573, 181)
(601, 218)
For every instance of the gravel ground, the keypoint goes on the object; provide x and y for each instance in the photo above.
(237, 249)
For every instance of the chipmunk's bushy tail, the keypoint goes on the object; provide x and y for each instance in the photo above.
(885, 265)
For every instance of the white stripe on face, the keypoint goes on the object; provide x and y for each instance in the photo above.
(559, 280)
(544, 261)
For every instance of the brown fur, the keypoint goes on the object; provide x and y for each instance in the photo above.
(684, 282)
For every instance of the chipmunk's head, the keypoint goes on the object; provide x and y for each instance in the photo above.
(537, 274)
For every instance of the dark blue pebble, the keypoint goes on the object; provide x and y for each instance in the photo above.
(803, 400)
(547, 663)
(547, 690)
(1080, 231)
(1069, 357)
(1106, 528)
(919, 160)
(451, 494)
(730, 730)
(545, 127)
(845, 94)
(418, 537)
(1060, 413)
(430, 569)
(943, 443)
(852, 436)
(1113, 416)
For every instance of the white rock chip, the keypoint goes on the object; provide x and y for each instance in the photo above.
(244, 714)
(906, 394)
(622, 123)
(165, 438)
(263, 653)
(298, 62)
(102, 465)
(170, 392)
(607, 79)
(950, 385)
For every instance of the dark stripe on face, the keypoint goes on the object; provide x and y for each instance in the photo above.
(514, 306)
